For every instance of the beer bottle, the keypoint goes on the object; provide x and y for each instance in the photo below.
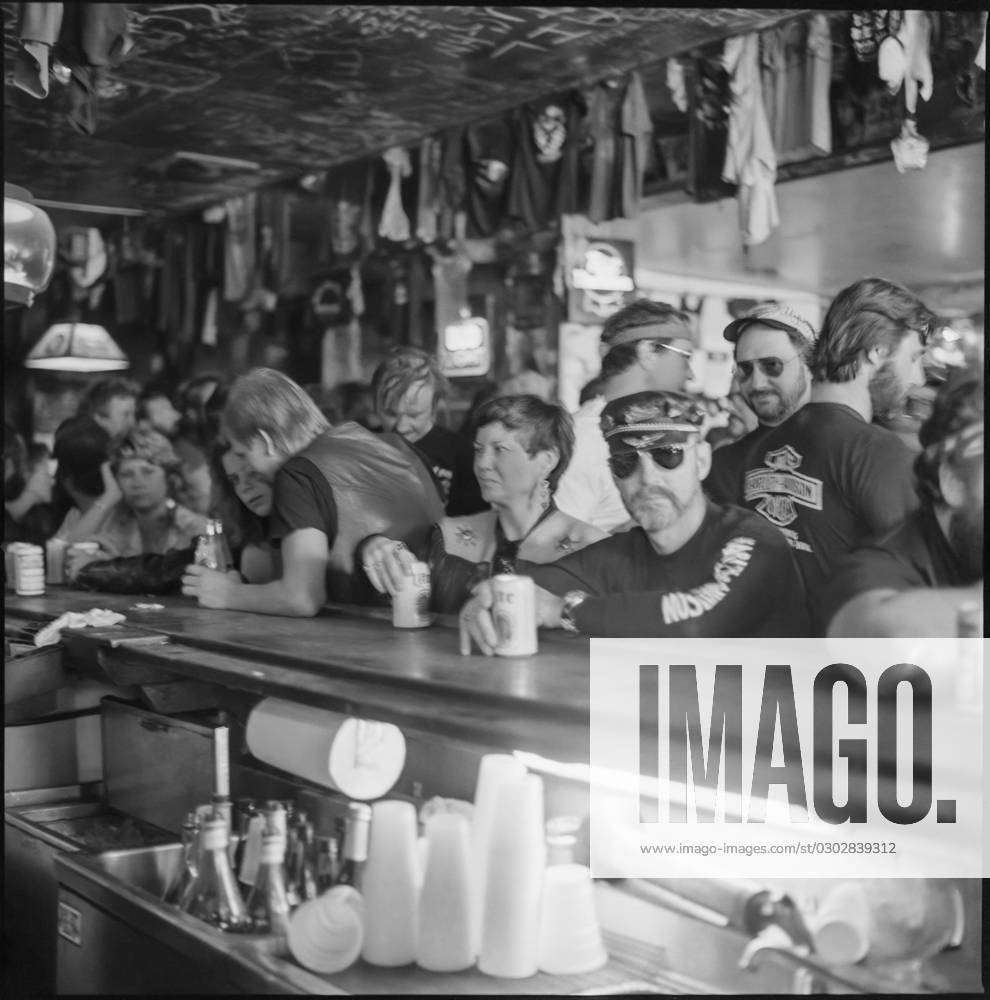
(212, 550)
(189, 862)
(268, 901)
(213, 895)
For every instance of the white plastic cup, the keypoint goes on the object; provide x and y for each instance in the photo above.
(29, 571)
(325, 934)
(55, 549)
(390, 885)
(570, 938)
(514, 881)
(841, 925)
(445, 936)
(495, 768)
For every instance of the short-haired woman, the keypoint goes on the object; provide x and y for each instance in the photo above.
(147, 518)
(522, 445)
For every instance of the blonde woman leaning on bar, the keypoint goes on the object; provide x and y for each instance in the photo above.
(147, 518)
(522, 446)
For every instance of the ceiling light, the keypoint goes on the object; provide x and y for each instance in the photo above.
(77, 347)
(28, 247)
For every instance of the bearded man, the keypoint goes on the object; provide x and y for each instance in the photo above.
(929, 566)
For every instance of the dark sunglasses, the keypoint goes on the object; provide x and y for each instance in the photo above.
(625, 464)
(771, 367)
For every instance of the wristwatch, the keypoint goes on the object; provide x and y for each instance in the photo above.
(572, 600)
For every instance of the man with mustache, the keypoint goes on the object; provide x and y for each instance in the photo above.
(688, 568)
(772, 347)
(930, 565)
(827, 476)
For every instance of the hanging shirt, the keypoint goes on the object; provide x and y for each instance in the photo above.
(820, 82)
(750, 160)
(450, 182)
(488, 154)
(427, 204)
(603, 124)
(543, 182)
(637, 131)
(394, 224)
(239, 248)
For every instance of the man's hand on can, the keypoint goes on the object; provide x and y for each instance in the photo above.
(386, 563)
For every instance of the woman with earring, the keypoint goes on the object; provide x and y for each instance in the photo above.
(522, 446)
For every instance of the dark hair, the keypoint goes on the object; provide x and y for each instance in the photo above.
(202, 427)
(403, 368)
(592, 388)
(958, 405)
(154, 448)
(100, 394)
(618, 360)
(240, 525)
(869, 313)
(545, 426)
(81, 447)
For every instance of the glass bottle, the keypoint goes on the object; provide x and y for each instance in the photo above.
(357, 827)
(306, 849)
(212, 550)
(327, 863)
(189, 864)
(245, 810)
(268, 903)
(213, 895)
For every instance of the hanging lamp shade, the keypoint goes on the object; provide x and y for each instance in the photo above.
(77, 347)
(28, 247)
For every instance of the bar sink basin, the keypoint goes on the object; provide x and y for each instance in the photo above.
(148, 868)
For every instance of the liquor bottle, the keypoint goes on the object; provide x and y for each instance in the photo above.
(291, 862)
(268, 903)
(213, 895)
(212, 550)
(244, 811)
(189, 863)
(327, 863)
(356, 830)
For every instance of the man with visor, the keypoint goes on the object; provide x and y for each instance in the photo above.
(772, 345)
(688, 568)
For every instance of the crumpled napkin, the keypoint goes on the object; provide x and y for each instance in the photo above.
(96, 617)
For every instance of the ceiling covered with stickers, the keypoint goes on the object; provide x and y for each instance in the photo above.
(292, 88)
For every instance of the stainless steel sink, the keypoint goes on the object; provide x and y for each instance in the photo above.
(149, 868)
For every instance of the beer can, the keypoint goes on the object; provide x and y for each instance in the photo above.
(55, 549)
(514, 615)
(411, 605)
(10, 562)
(29, 571)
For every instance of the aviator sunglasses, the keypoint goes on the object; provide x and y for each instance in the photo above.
(771, 367)
(625, 464)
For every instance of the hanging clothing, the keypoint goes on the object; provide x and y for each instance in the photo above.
(710, 97)
(981, 54)
(427, 203)
(543, 180)
(676, 84)
(820, 83)
(488, 155)
(239, 246)
(345, 192)
(637, 131)
(394, 223)
(40, 24)
(603, 127)
(450, 182)
(750, 160)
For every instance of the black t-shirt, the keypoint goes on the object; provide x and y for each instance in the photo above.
(724, 482)
(915, 554)
(734, 577)
(302, 499)
(450, 458)
(829, 481)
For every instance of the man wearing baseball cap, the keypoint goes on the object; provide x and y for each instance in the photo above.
(688, 568)
(772, 347)
(828, 477)
(649, 347)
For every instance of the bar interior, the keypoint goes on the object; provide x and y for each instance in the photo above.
(388, 390)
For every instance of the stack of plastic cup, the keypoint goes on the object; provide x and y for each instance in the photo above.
(516, 859)
(570, 938)
(326, 933)
(390, 885)
(495, 768)
(29, 570)
(445, 935)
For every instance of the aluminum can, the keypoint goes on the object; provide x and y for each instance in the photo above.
(411, 605)
(29, 571)
(514, 614)
(10, 562)
(55, 549)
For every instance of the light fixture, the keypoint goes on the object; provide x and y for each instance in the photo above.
(77, 347)
(28, 247)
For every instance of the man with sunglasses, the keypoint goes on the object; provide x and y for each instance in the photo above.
(772, 346)
(688, 568)
(931, 565)
(649, 347)
(828, 477)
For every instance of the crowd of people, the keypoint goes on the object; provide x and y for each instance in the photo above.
(633, 517)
